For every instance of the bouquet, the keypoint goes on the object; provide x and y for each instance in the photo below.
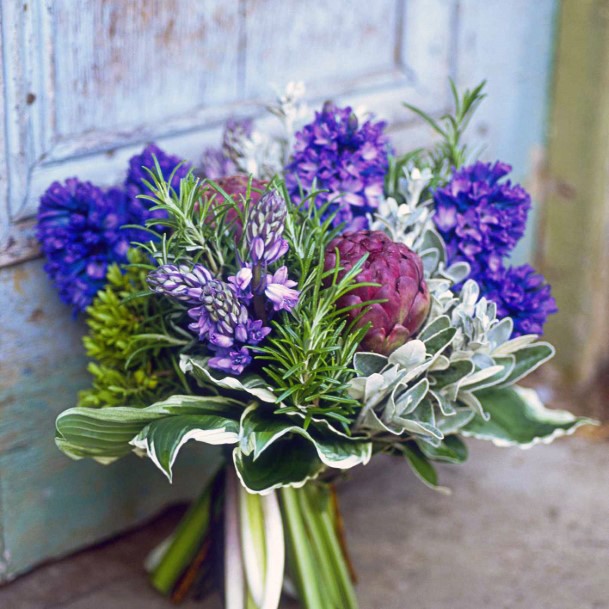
(306, 298)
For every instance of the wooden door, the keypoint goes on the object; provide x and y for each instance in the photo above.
(87, 82)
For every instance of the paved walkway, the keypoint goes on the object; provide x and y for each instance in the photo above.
(522, 530)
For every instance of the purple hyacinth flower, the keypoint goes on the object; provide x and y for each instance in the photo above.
(79, 230)
(522, 294)
(481, 217)
(137, 174)
(256, 331)
(349, 160)
(180, 282)
(264, 227)
(279, 290)
(233, 361)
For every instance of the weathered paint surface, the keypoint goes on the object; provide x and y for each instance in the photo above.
(48, 503)
(84, 89)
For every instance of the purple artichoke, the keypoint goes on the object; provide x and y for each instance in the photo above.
(398, 271)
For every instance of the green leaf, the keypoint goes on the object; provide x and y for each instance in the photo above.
(422, 468)
(491, 376)
(437, 325)
(454, 422)
(438, 342)
(457, 371)
(100, 433)
(421, 421)
(248, 383)
(104, 434)
(452, 450)
(369, 363)
(261, 428)
(163, 439)
(405, 400)
(517, 417)
(528, 359)
(290, 462)
(409, 355)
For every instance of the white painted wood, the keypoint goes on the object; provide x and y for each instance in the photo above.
(86, 77)
(89, 81)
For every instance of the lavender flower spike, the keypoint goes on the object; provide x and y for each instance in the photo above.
(264, 228)
(180, 282)
(221, 319)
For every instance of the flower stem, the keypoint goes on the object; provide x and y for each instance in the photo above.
(316, 557)
(185, 543)
(341, 570)
(311, 517)
(234, 580)
(304, 567)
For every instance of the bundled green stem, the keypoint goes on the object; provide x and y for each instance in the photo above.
(316, 558)
(258, 531)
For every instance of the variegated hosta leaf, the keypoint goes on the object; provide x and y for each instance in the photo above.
(261, 428)
(105, 433)
(248, 383)
(528, 359)
(162, 440)
(518, 417)
(287, 462)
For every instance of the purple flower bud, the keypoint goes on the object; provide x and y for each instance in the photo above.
(220, 315)
(215, 164)
(264, 228)
(220, 340)
(180, 282)
(241, 333)
(257, 250)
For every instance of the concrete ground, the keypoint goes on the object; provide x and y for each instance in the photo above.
(522, 530)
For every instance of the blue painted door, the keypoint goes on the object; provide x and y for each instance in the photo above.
(87, 82)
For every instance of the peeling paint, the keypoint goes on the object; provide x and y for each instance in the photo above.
(20, 275)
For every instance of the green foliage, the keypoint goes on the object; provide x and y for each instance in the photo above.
(450, 151)
(133, 353)
(107, 434)
(517, 417)
(309, 354)
(197, 228)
